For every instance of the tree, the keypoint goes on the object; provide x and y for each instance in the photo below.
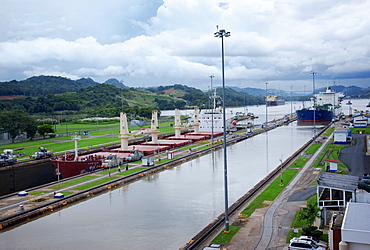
(14, 122)
(309, 213)
(31, 128)
(44, 129)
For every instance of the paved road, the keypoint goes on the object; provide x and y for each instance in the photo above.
(355, 158)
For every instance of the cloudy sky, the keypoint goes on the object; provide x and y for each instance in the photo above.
(152, 42)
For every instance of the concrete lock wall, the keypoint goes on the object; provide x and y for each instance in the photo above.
(22, 176)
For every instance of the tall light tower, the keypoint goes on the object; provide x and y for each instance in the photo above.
(221, 34)
(214, 105)
(266, 104)
(291, 102)
(314, 104)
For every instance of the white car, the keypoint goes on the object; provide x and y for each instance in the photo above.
(304, 245)
(309, 238)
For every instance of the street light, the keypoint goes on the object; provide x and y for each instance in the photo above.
(281, 170)
(214, 105)
(291, 102)
(266, 105)
(221, 34)
(314, 106)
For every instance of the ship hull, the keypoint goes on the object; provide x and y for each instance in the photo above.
(275, 103)
(318, 115)
(71, 168)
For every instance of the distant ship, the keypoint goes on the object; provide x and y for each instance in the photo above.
(271, 100)
(325, 109)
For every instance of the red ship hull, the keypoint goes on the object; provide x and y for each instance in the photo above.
(71, 168)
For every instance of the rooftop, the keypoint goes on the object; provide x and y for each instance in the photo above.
(338, 181)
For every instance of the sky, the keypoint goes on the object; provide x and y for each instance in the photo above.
(150, 43)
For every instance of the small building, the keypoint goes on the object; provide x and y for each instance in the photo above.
(342, 136)
(335, 190)
(147, 161)
(331, 165)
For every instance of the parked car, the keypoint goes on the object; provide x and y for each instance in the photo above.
(309, 238)
(304, 245)
(212, 246)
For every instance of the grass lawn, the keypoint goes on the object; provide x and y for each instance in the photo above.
(224, 238)
(38, 192)
(270, 193)
(332, 152)
(72, 182)
(356, 130)
(131, 171)
(313, 148)
(57, 144)
(299, 163)
(95, 183)
(67, 193)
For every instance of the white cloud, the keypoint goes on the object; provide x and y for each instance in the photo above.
(171, 41)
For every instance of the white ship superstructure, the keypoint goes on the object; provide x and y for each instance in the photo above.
(205, 119)
(329, 97)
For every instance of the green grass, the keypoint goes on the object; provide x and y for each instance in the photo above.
(38, 192)
(299, 163)
(95, 183)
(329, 131)
(356, 130)
(224, 238)
(72, 182)
(65, 143)
(132, 171)
(270, 193)
(302, 223)
(332, 152)
(67, 193)
(313, 148)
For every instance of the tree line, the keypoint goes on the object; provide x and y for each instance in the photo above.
(17, 122)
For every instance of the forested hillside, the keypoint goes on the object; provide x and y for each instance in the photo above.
(43, 85)
(100, 100)
(42, 95)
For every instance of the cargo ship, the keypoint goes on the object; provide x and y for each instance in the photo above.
(325, 108)
(71, 164)
(271, 100)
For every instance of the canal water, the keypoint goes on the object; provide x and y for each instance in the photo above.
(164, 210)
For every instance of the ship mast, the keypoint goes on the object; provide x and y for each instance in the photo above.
(76, 138)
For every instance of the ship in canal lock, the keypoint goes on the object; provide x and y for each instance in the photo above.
(326, 107)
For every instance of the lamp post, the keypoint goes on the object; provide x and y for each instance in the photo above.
(314, 104)
(266, 105)
(214, 106)
(281, 170)
(221, 34)
(291, 102)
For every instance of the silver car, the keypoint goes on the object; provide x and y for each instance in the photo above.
(304, 245)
